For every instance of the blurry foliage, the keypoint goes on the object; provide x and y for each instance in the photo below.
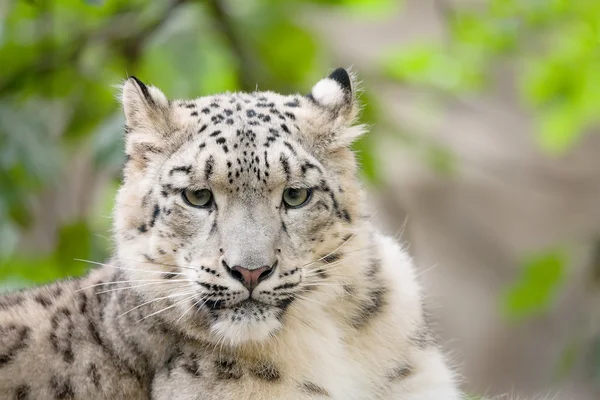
(555, 48)
(534, 291)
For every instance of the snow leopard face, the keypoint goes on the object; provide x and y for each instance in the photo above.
(234, 205)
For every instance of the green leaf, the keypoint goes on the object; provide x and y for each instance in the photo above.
(534, 291)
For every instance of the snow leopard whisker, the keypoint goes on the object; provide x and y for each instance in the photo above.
(127, 269)
(143, 285)
(328, 267)
(343, 243)
(309, 299)
(192, 306)
(344, 257)
(166, 308)
(118, 282)
(155, 300)
(323, 284)
(159, 263)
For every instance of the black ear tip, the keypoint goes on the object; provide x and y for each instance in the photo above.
(341, 76)
(143, 88)
(137, 81)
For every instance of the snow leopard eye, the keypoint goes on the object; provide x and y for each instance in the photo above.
(202, 198)
(294, 198)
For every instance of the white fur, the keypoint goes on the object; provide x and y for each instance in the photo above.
(328, 92)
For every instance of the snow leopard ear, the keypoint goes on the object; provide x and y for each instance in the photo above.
(337, 96)
(143, 104)
(149, 124)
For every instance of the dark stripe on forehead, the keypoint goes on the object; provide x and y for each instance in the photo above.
(208, 167)
(185, 169)
(308, 165)
(289, 146)
(286, 166)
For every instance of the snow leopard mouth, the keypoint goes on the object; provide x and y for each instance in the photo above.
(249, 304)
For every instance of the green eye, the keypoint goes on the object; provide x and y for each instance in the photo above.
(295, 198)
(198, 198)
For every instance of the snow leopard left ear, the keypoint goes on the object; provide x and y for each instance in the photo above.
(143, 104)
(337, 96)
(149, 124)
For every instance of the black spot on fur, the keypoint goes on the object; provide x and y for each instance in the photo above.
(208, 167)
(11, 300)
(61, 335)
(374, 267)
(346, 216)
(329, 258)
(21, 392)
(169, 275)
(400, 372)
(202, 128)
(228, 369)
(62, 388)
(94, 375)
(155, 214)
(294, 103)
(285, 303)
(314, 389)
(13, 340)
(43, 300)
(184, 168)
(143, 228)
(289, 146)
(215, 133)
(82, 302)
(221, 140)
(285, 128)
(370, 307)
(321, 273)
(214, 228)
(286, 166)
(424, 338)
(266, 371)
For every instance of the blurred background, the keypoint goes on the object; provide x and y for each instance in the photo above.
(483, 157)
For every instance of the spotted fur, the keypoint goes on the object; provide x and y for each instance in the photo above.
(338, 316)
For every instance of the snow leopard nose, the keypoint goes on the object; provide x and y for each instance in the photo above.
(250, 278)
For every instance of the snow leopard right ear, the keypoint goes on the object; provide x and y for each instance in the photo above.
(336, 98)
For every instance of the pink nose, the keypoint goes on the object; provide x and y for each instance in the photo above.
(250, 277)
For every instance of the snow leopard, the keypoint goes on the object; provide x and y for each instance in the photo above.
(246, 266)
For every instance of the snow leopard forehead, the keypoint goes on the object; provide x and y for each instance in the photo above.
(246, 132)
(247, 143)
